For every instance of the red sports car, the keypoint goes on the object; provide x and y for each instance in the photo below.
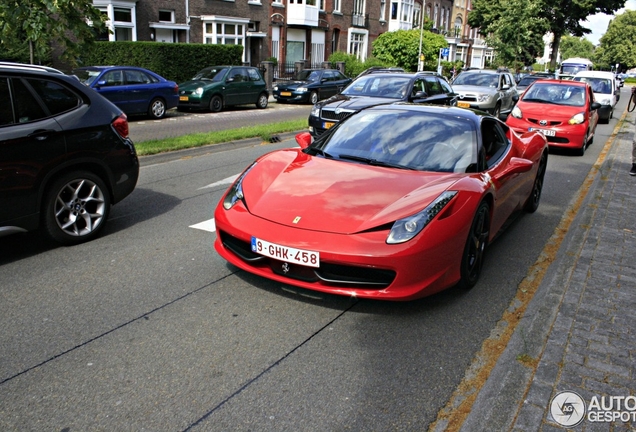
(563, 110)
(396, 202)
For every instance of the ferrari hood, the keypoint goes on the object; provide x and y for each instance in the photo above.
(291, 188)
(355, 103)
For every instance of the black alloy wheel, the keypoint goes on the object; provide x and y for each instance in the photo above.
(473, 256)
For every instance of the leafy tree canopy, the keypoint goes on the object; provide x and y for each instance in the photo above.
(28, 27)
(618, 44)
(560, 17)
(576, 47)
(402, 47)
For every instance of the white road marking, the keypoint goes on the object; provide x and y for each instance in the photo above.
(228, 180)
(207, 225)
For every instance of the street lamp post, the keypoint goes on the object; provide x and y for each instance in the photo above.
(420, 60)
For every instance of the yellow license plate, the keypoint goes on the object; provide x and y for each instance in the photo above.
(327, 125)
(463, 104)
(183, 98)
(285, 93)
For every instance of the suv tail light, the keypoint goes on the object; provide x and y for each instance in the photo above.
(120, 124)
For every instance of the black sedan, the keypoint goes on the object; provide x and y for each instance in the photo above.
(380, 88)
(310, 86)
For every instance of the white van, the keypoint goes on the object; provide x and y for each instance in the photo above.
(606, 91)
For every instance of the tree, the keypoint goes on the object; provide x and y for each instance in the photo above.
(562, 16)
(401, 47)
(618, 44)
(576, 47)
(33, 25)
(512, 28)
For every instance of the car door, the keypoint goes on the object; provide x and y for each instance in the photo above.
(139, 90)
(507, 89)
(237, 87)
(111, 86)
(257, 84)
(30, 139)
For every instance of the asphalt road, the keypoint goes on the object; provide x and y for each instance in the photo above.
(146, 328)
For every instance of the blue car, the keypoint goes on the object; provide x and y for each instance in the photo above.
(133, 89)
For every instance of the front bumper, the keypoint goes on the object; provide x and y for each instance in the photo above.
(356, 265)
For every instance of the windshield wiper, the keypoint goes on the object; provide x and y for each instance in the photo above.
(536, 100)
(321, 152)
(374, 162)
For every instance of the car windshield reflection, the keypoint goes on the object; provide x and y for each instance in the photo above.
(378, 86)
(403, 139)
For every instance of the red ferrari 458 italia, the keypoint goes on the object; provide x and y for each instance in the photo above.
(563, 110)
(396, 202)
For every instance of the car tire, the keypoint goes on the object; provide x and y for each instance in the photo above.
(313, 98)
(76, 207)
(157, 108)
(532, 203)
(475, 248)
(496, 112)
(216, 103)
(581, 151)
(263, 100)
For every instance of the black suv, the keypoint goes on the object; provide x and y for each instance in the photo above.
(65, 155)
(380, 88)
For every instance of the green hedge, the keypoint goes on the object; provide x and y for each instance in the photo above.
(176, 62)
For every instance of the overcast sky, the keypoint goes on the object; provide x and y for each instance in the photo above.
(598, 23)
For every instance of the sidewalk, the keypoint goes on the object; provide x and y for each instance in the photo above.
(580, 328)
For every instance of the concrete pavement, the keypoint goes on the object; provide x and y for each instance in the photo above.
(570, 363)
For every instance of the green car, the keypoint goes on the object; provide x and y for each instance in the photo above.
(217, 87)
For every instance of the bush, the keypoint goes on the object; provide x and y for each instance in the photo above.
(176, 62)
(353, 66)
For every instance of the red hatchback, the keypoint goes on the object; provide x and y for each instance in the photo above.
(564, 111)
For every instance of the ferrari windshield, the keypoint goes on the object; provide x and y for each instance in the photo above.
(407, 139)
(559, 92)
(384, 86)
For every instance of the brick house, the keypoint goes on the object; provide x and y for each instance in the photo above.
(289, 30)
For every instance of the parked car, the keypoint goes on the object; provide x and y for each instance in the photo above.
(606, 91)
(563, 110)
(134, 90)
(310, 86)
(396, 202)
(217, 87)
(488, 90)
(380, 88)
(524, 82)
(65, 155)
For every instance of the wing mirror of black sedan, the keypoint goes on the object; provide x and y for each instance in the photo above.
(419, 95)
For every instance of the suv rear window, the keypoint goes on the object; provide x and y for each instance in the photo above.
(33, 99)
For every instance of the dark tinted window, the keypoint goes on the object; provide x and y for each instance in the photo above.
(137, 77)
(6, 110)
(56, 97)
(27, 106)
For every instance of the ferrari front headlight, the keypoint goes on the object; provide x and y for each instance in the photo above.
(405, 229)
(235, 193)
(577, 119)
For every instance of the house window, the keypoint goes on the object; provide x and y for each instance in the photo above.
(224, 33)
(336, 5)
(166, 16)
(394, 10)
(358, 45)
(120, 20)
(382, 10)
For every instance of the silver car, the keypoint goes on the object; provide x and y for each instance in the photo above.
(488, 90)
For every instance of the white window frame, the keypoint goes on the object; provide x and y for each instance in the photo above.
(109, 6)
(358, 47)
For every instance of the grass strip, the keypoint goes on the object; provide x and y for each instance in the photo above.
(265, 132)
